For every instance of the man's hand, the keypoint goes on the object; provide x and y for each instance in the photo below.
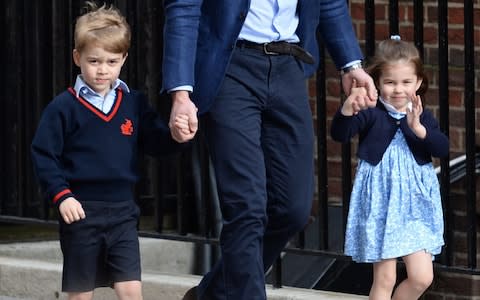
(71, 210)
(182, 108)
(362, 80)
(358, 98)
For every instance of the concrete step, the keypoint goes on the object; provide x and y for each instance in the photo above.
(32, 271)
(157, 255)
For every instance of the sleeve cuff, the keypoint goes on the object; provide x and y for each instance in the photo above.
(352, 63)
(351, 66)
(62, 195)
(187, 88)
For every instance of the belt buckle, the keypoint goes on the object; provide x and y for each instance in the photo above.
(268, 52)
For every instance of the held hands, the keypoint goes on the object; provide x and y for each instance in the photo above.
(413, 117)
(356, 101)
(183, 117)
(364, 80)
(181, 124)
(71, 210)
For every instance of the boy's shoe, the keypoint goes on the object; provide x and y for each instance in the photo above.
(191, 294)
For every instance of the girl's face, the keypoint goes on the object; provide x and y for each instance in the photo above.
(397, 83)
(100, 68)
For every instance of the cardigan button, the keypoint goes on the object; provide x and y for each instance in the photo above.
(398, 123)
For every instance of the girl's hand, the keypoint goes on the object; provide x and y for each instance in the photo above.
(413, 117)
(356, 101)
(71, 210)
(359, 77)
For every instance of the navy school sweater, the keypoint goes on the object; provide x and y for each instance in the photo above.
(82, 152)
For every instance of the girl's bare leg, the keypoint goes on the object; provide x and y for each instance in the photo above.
(384, 278)
(419, 276)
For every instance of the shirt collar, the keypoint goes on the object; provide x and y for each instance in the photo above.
(81, 86)
(392, 110)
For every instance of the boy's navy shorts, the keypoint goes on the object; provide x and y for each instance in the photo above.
(101, 249)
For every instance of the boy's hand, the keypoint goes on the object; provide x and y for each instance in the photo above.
(413, 117)
(71, 210)
(356, 101)
(181, 123)
(182, 105)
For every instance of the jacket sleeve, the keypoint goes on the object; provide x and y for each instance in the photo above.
(180, 42)
(343, 128)
(337, 32)
(46, 151)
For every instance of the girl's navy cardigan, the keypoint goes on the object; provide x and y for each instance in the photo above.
(376, 129)
(82, 152)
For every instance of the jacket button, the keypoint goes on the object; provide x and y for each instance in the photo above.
(398, 122)
(242, 16)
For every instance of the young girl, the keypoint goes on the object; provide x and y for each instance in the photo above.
(395, 207)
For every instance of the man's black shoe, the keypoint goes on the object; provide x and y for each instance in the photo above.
(191, 294)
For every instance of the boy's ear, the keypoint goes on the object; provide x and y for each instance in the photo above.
(76, 57)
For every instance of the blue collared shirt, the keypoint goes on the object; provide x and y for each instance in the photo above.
(267, 21)
(102, 103)
(271, 20)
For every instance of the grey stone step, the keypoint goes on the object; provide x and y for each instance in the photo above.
(157, 255)
(32, 271)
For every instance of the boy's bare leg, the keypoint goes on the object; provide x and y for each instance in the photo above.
(128, 290)
(81, 296)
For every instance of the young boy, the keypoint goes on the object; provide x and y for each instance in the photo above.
(84, 154)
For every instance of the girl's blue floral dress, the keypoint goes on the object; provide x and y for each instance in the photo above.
(395, 207)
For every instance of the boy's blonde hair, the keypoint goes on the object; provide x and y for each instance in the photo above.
(102, 26)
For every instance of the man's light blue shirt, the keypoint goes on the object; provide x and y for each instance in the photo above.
(102, 103)
(268, 21)
(271, 20)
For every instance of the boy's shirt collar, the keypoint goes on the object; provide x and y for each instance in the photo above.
(104, 104)
(82, 89)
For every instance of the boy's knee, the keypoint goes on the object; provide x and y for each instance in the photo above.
(80, 296)
(128, 290)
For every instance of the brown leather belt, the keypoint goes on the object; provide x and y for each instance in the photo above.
(279, 48)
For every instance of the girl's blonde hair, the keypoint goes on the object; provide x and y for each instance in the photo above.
(393, 51)
(102, 26)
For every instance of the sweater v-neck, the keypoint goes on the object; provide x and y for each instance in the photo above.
(104, 116)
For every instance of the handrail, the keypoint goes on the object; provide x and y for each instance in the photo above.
(458, 167)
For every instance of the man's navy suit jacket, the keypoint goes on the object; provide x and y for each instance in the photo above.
(200, 37)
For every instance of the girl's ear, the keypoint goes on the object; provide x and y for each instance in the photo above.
(419, 83)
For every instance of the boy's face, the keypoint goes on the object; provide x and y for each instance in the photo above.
(99, 67)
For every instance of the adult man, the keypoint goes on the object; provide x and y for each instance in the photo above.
(245, 64)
